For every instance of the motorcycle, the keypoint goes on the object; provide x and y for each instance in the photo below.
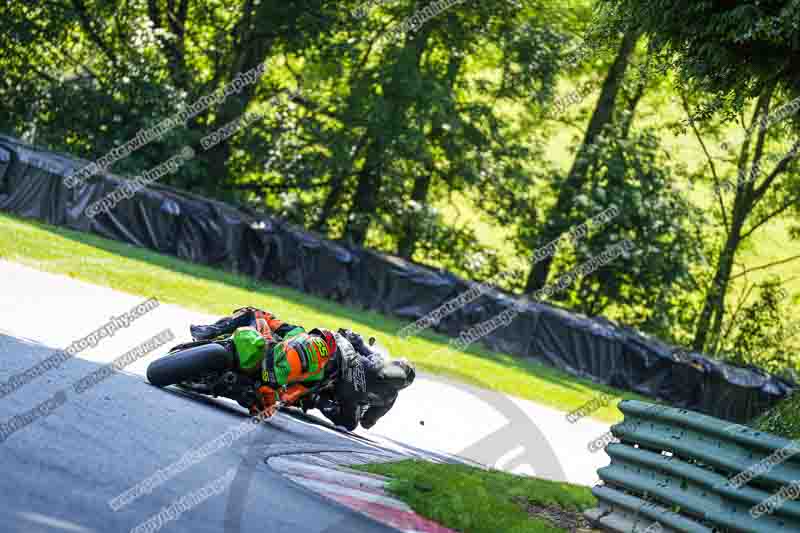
(212, 368)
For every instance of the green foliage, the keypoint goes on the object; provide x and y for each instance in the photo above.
(724, 48)
(782, 420)
(86, 76)
(647, 288)
(758, 333)
(405, 111)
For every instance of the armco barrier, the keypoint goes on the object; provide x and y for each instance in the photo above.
(671, 472)
(237, 239)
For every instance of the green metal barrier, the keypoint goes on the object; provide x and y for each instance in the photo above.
(672, 470)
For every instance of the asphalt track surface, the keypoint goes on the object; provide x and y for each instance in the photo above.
(60, 472)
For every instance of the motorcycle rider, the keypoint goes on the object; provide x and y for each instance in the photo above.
(292, 365)
(289, 364)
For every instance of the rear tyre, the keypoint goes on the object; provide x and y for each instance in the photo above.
(188, 364)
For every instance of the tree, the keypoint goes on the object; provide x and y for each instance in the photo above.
(647, 287)
(731, 53)
(405, 119)
(135, 64)
(554, 220)
(758, 193)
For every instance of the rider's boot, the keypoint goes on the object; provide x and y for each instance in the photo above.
(222, 326)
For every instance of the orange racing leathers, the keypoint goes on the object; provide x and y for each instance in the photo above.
(290, 359)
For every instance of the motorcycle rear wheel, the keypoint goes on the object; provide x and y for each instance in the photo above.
(190, 363)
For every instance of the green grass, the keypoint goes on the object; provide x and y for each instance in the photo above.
(476, 501)
(142, 272)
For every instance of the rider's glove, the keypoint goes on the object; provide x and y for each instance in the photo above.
(266, 401)
(356, 340)
(292, 393)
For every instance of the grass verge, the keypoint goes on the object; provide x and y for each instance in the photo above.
(478, 501)
(146, 273)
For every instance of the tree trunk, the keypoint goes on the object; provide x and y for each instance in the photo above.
(254, 50)
(217, 174)
(216, 158)
(331, 205)
(602, 115)
(370, 178)
(714, 304)
(366, 197)
(630, 106)
(408, 241)
(744, 203)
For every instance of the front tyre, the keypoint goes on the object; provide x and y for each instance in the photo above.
(190, 363)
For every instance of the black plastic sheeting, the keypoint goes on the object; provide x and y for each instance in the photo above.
(223, 236)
